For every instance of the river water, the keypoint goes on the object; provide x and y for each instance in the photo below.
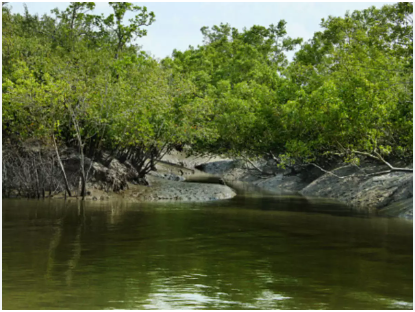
(249, 252)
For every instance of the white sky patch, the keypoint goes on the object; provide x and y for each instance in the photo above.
(178, 23)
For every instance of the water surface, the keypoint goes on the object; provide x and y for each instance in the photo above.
(250, 252)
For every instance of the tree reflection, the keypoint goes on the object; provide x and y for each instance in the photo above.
(201, 256)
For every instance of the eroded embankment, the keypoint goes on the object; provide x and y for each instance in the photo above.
(361, 188)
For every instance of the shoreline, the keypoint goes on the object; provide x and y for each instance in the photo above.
(181, 178)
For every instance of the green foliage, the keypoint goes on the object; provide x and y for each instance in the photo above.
(60, 82)
(348, 88)
(362, 97)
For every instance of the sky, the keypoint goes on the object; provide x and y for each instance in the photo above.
(178, 23)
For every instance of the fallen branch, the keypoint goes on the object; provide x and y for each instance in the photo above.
(380, 158)
(329, 172)
(255, 167)
(274, 158)
(379, 173)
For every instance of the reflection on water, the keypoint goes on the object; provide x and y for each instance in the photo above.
(251, 252)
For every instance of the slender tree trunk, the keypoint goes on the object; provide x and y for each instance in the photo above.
(81, 151)
(83, 184)
(4, 185)
(51, 178)
(61, 167)
(82, 167)
(36, 180)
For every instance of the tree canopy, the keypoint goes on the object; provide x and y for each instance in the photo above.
(348, 89)
(81, 78)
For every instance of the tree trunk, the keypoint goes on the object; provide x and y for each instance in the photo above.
(51, 178)
(82, 160)
(36, 180)
(61, 167)
(83, 183)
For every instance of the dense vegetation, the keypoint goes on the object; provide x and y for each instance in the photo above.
(348, 89)
(77, 79)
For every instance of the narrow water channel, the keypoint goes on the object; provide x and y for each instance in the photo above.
(250, 252)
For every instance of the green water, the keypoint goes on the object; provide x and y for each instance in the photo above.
(244, 253)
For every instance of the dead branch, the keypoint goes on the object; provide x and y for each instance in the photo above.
(254, 166)
(329, 172)
(380, 158)
(274, 158)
